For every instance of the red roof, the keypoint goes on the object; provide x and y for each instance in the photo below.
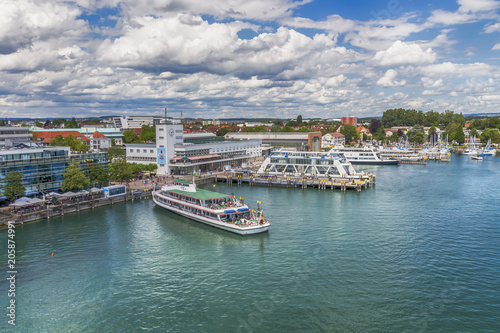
(50, 135)
(99, 135)
(337, 135)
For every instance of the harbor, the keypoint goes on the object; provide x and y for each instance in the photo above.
(132, 265)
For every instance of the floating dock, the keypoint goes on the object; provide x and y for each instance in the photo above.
(342, 184)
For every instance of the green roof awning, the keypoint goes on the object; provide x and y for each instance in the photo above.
(202, 194)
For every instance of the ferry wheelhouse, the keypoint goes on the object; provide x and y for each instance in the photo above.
(218, 210)
(300, 163)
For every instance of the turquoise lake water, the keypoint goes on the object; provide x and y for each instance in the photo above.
(419, 252)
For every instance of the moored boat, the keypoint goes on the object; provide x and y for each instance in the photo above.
(362, 155)
(216, 209)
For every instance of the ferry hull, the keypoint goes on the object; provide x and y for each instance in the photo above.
(251, 230)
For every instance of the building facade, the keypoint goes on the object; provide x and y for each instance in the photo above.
(12, 136)
(129, 122)
(43, 168)
(349, 120)
(179, 153)
(99, 141)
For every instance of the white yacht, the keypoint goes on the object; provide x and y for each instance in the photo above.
(362, 155)
(487, 150)
(301, 163)
(472, 149)
(218, 210)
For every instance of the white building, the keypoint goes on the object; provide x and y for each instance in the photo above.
(173, 155)
(128, 122)
(99, 141)
(332, 139)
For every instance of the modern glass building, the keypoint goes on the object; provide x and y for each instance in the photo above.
(43, 168)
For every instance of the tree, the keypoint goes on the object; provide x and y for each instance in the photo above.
(148, 133)
(71, 123)
(74, 178)
(58, 122)
(2, 122)
(129, 136)
(418, 138)
(14, 186)
(98, 175)
(115, 152)
(394, 136)
(113, 142)
(380, 134)
(222, 131)
(299, 119)
(120, 170)
(474, 132)
(69, 141)
(58, 141)
(375, 124)
(302, 129)
(490, 133)
(350, 133)
(38, 124)
(432, 118)
(459, 135)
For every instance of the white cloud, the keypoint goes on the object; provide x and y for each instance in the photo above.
(388, 80)
(492, 28)
(216, 48)
(23, 22)
(496, 46)
(43, 55)
(478, 5)
(402, 53)
(431, 83)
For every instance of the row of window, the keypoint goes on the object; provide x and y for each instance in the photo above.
(145, 151)
(141, 158)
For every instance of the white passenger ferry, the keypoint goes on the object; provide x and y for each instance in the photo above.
(218, 210)
(301, 163)
(362, 155)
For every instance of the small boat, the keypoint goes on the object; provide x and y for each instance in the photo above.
(476, 157)
(487, 150)
(218, 210)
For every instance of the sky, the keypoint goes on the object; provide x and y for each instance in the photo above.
(248, 58)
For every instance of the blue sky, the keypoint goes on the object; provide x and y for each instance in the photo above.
(252, 58)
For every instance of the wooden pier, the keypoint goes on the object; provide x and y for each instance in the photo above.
(413, 162)
(342, 184)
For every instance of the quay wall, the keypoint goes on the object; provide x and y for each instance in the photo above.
(8, 215)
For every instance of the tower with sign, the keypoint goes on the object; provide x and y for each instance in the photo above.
(168, 135)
